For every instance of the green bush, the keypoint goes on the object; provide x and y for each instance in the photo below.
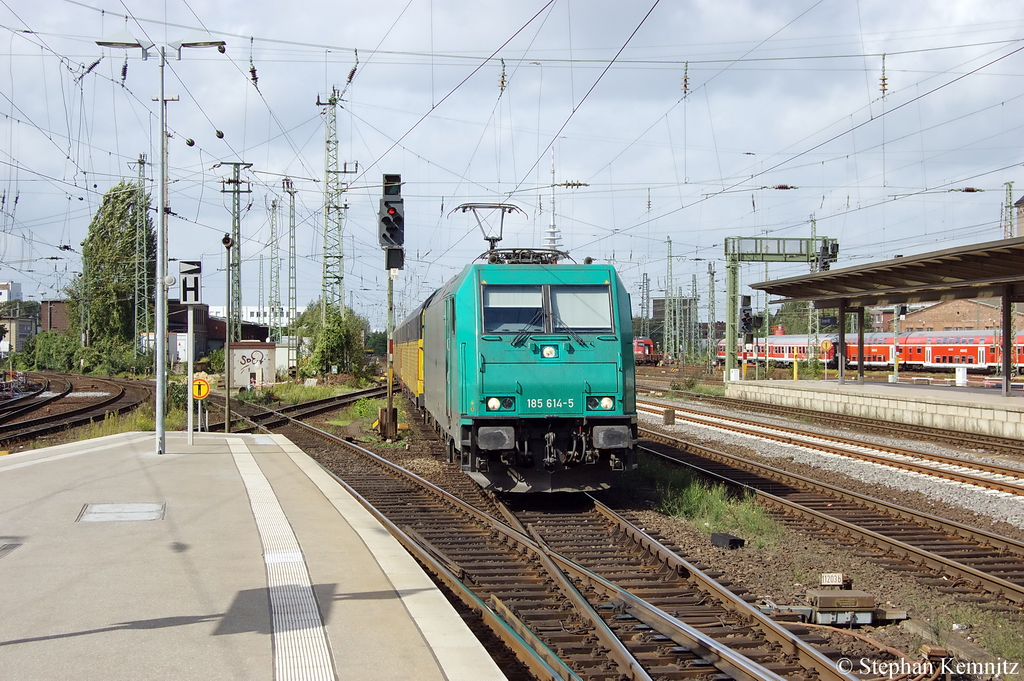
(177, 396)
(215, 361)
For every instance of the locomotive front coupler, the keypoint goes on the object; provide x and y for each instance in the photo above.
(552, 455)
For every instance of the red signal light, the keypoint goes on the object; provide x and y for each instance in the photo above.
(391, 210)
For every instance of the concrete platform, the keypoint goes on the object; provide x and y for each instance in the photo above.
(967, 409)
(235, 558)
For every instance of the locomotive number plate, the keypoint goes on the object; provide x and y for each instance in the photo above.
(550, 403)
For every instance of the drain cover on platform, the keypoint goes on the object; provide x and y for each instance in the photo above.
(104, 512)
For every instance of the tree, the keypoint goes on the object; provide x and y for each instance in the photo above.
(337, 342)
(377, 341)
(26, 309)
(792, 315)
(101, 301)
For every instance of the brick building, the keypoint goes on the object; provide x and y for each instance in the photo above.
(956, 315)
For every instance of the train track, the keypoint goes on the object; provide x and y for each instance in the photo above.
(257, 417)
(959, 439)
(99, 397)
(981, 474)
(578, 594)
(970, 562)
(39, 394)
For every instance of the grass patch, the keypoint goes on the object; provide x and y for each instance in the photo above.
(142, 419)
(680, 493)
(699, 388)
(1001, 635)
(294, 393)
(364, 412)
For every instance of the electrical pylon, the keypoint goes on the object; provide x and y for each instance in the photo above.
(712, 322)
(669, 311)
(142, 289)
(291, 312)
(645, 306)
(333, 278)
(274, 302)
(233, 186)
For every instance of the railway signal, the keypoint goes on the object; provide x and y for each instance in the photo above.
(392, 213)
(746, 315)
(391, 221)
(827, 254)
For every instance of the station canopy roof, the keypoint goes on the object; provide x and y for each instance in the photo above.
(976, 271)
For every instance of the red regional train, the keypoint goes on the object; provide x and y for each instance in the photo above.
(981, 350)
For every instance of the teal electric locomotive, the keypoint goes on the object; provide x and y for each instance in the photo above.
(526, 368)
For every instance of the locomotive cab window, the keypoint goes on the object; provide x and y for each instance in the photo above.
(547, 309)
(513, 309)
(582, 308)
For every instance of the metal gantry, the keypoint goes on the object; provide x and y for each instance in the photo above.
(760, 249)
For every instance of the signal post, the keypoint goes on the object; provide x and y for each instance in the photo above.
(391, 235)
(191, 295)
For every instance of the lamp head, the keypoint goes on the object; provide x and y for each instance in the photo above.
(125, 40)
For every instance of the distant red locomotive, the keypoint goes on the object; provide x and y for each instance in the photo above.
(980, 351)
(643, 351)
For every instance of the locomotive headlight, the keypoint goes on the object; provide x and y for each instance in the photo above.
(507, 403)
(549, 351)
(493, 404)
(600, 403)
(607, 403)
(593, 403)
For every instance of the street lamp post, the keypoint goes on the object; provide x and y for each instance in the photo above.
(125, 40)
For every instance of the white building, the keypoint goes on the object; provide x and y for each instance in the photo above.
(10, 291)
(255, 314)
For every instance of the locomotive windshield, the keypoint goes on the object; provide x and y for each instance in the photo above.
(582, 308)
(512, 309)
(547, 309)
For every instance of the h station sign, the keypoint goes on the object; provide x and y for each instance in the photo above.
(191, 282)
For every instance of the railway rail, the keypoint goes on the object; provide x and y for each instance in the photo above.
(38, 394)
(573, 604)
(258, 417)
(960, 439)
(975, 564)
(104, 396)
(982, 474)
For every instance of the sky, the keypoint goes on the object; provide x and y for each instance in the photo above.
(893, 127)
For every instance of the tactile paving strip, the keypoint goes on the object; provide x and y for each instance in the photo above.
(301, 652)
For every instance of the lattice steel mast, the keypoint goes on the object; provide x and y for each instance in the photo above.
(712, 353)
(274, 299)
(645, 306)
(143, 291)
(293, 350)
(333, 276)
(234, 187)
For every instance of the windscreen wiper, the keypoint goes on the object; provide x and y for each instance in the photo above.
(572, 332)
(525, 333)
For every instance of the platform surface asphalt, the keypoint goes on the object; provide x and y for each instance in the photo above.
(234, 558)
